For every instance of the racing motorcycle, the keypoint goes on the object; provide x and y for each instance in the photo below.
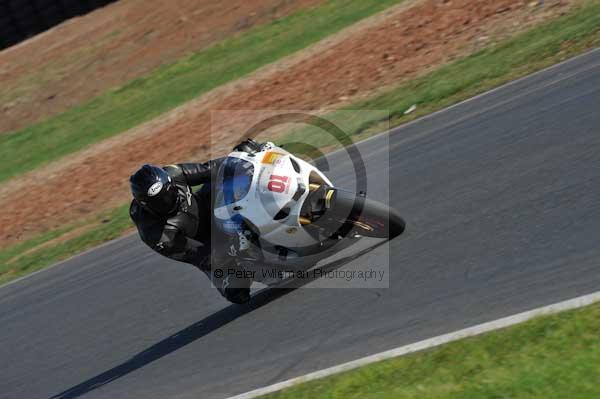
(291, 213)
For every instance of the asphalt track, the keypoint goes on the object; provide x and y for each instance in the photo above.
(502, 199)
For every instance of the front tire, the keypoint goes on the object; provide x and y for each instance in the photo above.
(367, 217)
(378, 220)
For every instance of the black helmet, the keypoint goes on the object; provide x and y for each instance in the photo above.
(153, 188)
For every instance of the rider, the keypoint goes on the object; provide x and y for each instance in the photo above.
(176, 222)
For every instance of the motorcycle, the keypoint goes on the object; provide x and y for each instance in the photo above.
(293, 215)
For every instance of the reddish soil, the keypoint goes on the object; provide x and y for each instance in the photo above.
(404, 44)
(84, 56)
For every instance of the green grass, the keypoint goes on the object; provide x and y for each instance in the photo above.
(145, 98)
(551, 357)
(528, 52)
(29, 256)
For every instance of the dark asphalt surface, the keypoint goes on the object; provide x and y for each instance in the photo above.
(502, 199)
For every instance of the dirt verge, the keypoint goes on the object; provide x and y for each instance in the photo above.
(407, 42)
(85, 56)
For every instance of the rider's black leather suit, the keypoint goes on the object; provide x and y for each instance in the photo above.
(185, 235)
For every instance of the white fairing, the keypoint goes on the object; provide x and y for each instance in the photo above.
(278, 187)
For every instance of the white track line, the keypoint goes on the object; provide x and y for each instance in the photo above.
(428, 343)
(486, 93)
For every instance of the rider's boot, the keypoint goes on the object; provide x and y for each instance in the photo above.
(233, 286)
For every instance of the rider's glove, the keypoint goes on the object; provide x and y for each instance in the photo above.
(250, 146)
(267, 146)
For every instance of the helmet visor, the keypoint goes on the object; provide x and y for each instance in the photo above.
(165, 202)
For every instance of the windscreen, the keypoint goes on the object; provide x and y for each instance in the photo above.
(233, 181)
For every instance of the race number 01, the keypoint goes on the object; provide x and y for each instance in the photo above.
(277, 184)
